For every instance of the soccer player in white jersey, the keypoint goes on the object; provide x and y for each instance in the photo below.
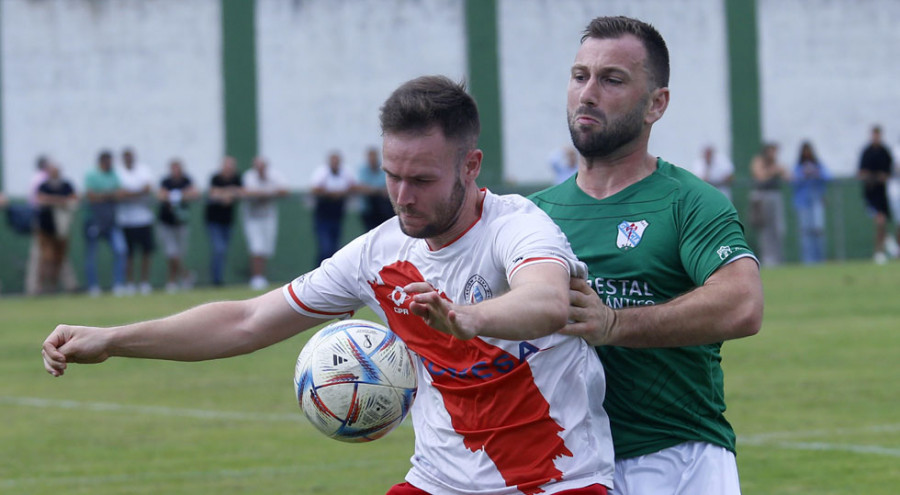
(475, 283)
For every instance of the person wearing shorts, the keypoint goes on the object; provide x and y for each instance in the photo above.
(876, 166)
(134, 214)
(176, 193)
(262, 189)
(670, 274)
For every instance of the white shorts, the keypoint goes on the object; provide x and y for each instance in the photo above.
(174, 240)
(692, 468)
(261, 233)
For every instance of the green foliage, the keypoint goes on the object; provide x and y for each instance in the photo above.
(813, 397)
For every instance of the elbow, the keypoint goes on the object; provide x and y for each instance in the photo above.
(555, 317)
(748, 316)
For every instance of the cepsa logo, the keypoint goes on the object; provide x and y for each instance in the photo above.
(483, 370)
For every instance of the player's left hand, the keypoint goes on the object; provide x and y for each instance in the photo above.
(439, 313)
(589, 318)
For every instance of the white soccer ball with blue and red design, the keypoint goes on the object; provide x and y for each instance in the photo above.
(355, 380)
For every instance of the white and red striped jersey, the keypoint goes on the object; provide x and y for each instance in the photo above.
(491, 416)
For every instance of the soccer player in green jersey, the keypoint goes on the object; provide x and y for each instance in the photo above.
(671, 275)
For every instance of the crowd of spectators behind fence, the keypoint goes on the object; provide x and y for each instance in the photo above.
(131, 212)
(136, 215)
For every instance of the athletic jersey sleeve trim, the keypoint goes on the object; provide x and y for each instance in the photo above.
(532, 261)
(299, 307)
(745, 255)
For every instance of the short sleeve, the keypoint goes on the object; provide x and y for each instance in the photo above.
(711, 235)
(332, 290)
(529, 236)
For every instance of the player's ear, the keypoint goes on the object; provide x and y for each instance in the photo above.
(659, 101)
(472, 163)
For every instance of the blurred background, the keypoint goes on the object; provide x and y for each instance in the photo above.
(295, 80)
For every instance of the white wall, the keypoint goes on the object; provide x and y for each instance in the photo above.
(829, 71)
(326, 66)
(538, 42)
(80, 76)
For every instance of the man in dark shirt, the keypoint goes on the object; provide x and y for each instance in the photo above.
(875, 169)
(225, 189)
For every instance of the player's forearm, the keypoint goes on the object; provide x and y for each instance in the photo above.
(210, 331)
(728, 307)
(528, 312)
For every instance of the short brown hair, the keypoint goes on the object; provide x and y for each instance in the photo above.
(654, 44)
(429, 101)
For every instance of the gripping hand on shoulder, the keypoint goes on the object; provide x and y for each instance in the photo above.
(589, 317)
(439, 313)
(72, 344)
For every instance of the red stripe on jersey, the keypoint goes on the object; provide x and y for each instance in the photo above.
(290, 288)
(489, 393)
(532, 260)
(407, 489)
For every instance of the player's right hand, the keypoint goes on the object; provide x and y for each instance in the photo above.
(589, 317)
(71, 344)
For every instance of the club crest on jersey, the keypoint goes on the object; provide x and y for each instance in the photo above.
(630, 234)
(477, 289)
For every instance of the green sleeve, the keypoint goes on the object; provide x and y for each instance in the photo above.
(711, 233)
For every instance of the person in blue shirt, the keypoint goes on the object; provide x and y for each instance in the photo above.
(371, 185)
(809, 183)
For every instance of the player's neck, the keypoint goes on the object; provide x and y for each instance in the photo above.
(470, 213)
(601, 178)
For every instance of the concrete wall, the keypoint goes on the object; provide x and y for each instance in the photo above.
(77, 76)
(80, 76)
(326, 66)
(829, 70)
(539, 39)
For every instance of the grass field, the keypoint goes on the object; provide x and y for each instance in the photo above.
(815, 399)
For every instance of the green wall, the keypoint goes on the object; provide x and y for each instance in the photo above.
(484, 85)
(239, 80)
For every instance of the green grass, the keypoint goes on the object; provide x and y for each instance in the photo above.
(814, 398)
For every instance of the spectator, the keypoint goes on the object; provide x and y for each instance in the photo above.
(767, 204)
(331, 185)
(809, 183)
(134, 214)
(564, 164)
(262, 188)
(56, 206)
(715, 169)
(376, 204)
(4, 202)
(225, 190)
(176, 192)
(32, 269)
(102, 187)
(876, 165)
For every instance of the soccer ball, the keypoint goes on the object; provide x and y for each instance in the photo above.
(355, 380)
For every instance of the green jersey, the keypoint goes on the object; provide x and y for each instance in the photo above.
(645, 245)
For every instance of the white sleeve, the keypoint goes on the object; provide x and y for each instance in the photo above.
(318, 178)
(332, 290)
(529, 236)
